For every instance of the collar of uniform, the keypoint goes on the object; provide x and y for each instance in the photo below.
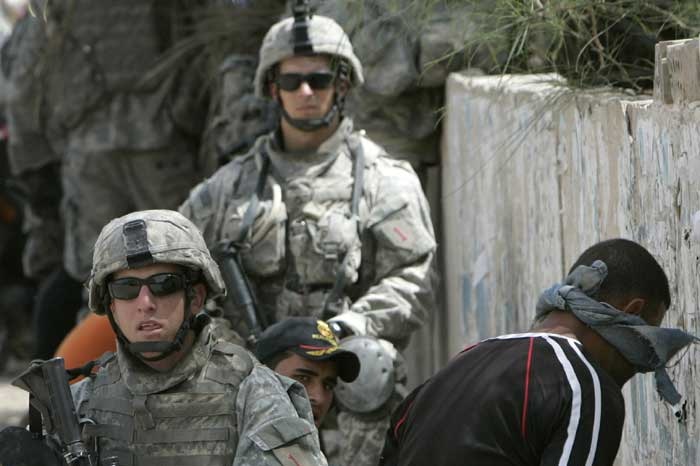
(141, 379)
(288, 165)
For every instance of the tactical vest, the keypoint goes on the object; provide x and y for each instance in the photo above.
(100, 47)
(186, 418)
(322, 239)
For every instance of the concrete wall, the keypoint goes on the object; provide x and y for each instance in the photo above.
(534, 174)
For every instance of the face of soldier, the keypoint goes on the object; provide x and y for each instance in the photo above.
(149, 316)
(318, 377)
(305, 102)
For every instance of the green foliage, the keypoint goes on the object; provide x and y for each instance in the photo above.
(590, 42)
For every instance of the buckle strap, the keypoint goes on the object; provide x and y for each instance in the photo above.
(114, 405)
(142, 414)
(113, 432)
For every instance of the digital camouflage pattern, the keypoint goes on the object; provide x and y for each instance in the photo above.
(170, 239)
(309, 252)
(308, 197)
(391, 294)
(217, 406)
(83, 94)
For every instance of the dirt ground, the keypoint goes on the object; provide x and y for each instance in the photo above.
(13, 401)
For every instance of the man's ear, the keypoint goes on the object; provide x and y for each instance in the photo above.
(200, 296)
(635, 306)
(272, 88)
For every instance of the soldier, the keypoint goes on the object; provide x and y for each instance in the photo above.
(172, 389)
(326, 224)
(90, 111)
(85, 95)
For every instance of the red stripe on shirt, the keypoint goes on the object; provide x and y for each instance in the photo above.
(527, 387)
(402, 420)
(468, 348)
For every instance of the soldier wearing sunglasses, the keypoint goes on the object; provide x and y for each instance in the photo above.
(174, 393)
(326, 224)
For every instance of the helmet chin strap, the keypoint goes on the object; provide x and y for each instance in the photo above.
(165, 348)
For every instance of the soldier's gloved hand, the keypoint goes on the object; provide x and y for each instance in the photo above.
(340, 329)
(353, 322)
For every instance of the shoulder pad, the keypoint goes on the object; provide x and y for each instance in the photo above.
(109, 371)
(241, 166)
(106, 358)
(399, 163)
(238, 357)
(372, 150)
(245, 159)
(200, 198)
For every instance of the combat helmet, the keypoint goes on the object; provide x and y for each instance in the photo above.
(307, 34)
(151, 237)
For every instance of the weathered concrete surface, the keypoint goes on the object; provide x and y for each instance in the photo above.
(533, 175)
(13, 404)
(500, 191)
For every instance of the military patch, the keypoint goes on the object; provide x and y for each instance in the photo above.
(293, 455)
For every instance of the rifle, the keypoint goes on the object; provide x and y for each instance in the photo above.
(49, 394)
(240, 294)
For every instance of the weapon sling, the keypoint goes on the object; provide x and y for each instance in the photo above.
(358, 172)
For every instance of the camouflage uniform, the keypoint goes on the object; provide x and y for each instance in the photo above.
(216, 405)
(86, 95)
(305, 233)
(208, 410)
(292, 252)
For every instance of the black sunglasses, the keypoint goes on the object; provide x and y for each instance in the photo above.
(318, 80)
(160, 284)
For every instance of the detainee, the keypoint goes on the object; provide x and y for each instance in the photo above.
(550, 396)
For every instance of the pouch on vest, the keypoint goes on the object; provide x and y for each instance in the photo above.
(311, 304)
(320, 239)
(263, 251)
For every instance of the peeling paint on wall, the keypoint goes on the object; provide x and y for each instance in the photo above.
(531, 177)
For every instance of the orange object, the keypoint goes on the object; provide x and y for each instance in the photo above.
(92, 337)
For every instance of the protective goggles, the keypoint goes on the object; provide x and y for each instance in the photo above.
(160, 284)
(291, 81)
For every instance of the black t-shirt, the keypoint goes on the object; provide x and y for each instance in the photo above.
(531, 399)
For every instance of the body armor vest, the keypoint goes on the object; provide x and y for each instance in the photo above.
(183, 417)
(101, 47)
(321, 233)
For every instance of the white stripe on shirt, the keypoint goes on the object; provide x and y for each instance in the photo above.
(575, 401)
(533, 334)
(597, 399)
